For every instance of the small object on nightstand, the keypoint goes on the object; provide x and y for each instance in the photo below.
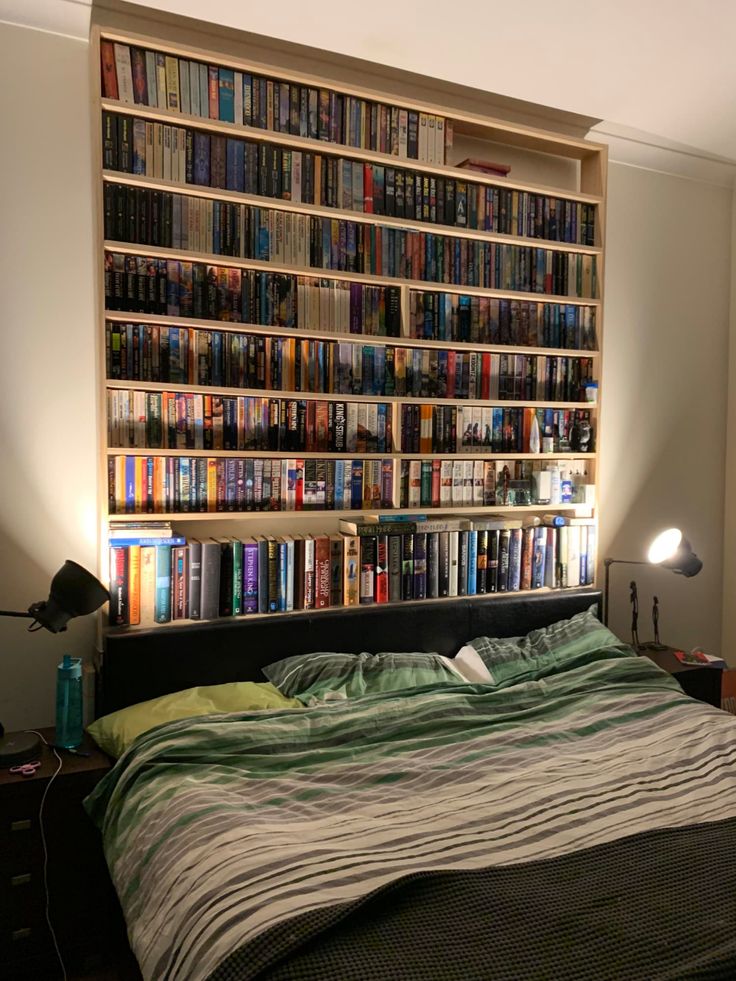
(699, 658)
(26, 769)
(697, 680)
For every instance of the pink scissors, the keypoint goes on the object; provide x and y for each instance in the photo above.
(26, 769)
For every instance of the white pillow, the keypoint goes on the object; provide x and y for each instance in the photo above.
(470, 664)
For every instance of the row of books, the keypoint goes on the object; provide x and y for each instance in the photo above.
(493, 483)
(165, 152)
(158, 484)
(140, 76)
(159, 286)
(383, 563)
(489, 320)
(163, 485)
(493, 429)
(181, 355)
(166, 219)
(193, 421)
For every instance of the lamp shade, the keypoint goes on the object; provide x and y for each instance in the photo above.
(672, 550)
(74, 593)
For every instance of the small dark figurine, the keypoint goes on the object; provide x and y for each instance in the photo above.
(634, 615)
(581, 436)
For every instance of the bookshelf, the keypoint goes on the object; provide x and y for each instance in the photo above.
(311, 312)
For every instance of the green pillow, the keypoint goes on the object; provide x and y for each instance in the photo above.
(561, 646)
(115, 732)
(323, 676)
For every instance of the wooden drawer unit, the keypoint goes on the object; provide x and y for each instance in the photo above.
(82, 904)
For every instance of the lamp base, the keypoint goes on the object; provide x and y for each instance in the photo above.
(19, 747)
(651, 645)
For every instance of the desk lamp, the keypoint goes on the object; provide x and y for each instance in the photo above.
(74, 593)
(670, 550)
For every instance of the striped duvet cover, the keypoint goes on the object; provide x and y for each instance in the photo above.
(225, 834)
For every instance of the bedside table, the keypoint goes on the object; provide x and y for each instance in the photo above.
(698, 682)
(83, 906)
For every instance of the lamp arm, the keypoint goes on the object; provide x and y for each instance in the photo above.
(607, 563)
(16, 613)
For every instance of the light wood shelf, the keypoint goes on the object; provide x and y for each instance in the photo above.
(432, 513)
(270, 393)
(350, 455)
(360, 217)
(121, 316)
(369, 279)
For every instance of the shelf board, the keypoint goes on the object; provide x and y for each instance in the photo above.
(278, 204)
(311, 272)
(121, 316)
(307, 145)
(270, 393)
(327, 455)
(436, 513)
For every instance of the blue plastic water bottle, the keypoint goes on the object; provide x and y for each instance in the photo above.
(69, 702)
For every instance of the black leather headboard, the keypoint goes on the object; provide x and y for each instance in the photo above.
(143, 664)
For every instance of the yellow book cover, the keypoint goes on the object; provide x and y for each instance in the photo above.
(211, 484)
(134, 584)
(147, 586)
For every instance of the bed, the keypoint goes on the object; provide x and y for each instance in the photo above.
(577, 825)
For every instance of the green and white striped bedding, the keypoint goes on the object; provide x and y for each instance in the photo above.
(218, 828)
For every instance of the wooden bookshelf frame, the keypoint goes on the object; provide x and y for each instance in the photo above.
(592, 175)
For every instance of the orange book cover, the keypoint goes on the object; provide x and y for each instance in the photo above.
(109, 75)
(211, 484)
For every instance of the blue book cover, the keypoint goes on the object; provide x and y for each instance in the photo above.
(472, 562)
(227, 95)
(239, 165)
(142, 540)
(381, 433)
(130, 484)
(514, 577)
(217, 373)
(356, 485)
(263, 244)
(539, 557)
(339, 484)
(282, 580)
(162, 606)
(550, 557)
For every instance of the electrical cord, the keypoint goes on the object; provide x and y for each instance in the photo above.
(54, 775)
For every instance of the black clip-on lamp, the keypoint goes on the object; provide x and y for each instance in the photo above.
(670, 550)
(74, 593)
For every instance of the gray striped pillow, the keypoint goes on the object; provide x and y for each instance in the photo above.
(561, 646)
(320, 676)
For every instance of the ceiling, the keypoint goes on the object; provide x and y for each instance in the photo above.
(663, 67)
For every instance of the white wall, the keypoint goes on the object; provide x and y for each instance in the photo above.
(48, 442)
(665, 393)
(663, 426)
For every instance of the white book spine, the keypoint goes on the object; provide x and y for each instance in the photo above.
(124, 73)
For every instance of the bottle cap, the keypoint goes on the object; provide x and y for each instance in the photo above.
(70, 667)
